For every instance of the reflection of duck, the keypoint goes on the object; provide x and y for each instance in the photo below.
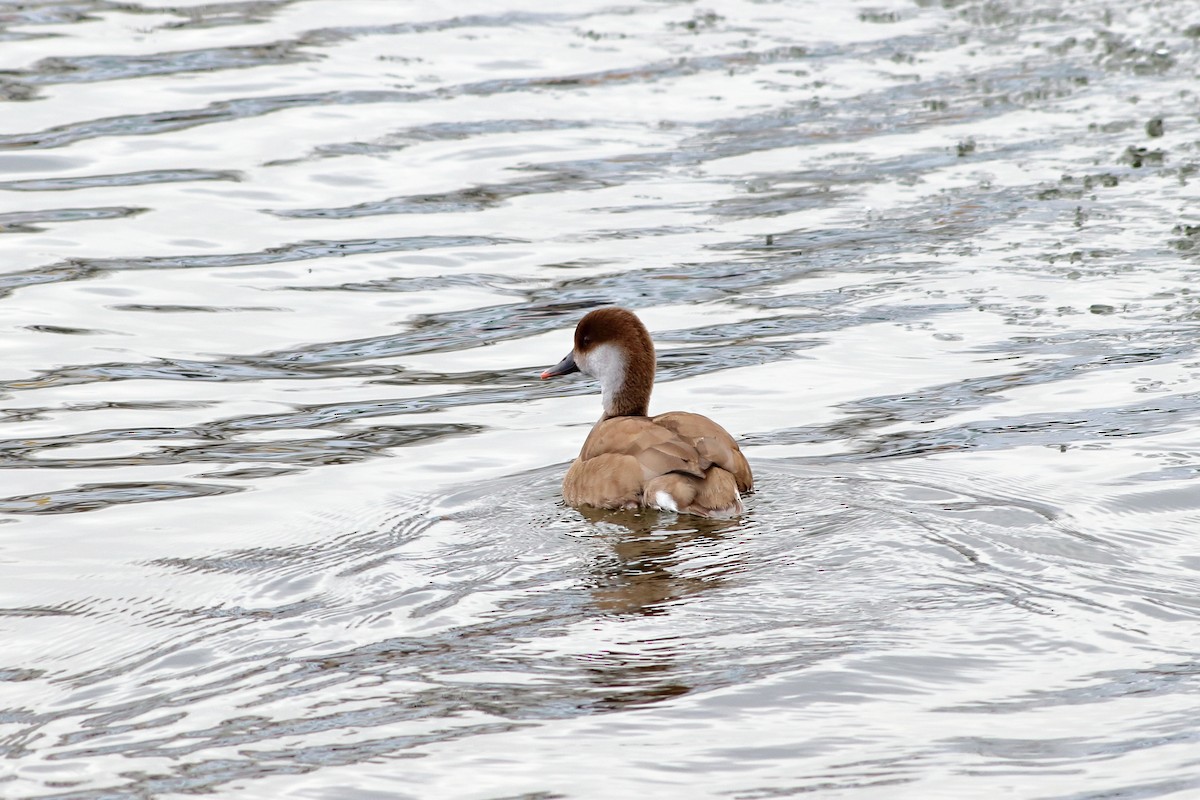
(644, 571)
(676, 461)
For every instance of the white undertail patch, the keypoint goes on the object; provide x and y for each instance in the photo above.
(664, 501)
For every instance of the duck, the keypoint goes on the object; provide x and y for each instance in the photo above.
(678, 461)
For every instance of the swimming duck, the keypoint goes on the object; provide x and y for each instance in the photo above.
(676, 461)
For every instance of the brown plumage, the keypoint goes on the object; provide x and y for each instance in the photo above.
(676, 461)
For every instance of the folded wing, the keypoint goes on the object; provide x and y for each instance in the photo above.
(678, 461)
(712, 442)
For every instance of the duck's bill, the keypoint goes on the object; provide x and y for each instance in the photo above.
(564, 367)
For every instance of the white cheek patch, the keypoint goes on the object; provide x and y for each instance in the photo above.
(605, 363)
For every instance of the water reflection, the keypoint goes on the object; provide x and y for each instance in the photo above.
(652, 565)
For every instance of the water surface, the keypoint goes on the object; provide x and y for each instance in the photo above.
(279, 508)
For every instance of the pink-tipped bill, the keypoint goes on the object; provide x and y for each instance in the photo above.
(564, 367)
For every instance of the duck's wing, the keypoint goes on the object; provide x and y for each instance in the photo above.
(610, 480)
(657, 450)
(711, 441)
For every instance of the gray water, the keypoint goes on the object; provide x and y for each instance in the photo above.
(279, 510)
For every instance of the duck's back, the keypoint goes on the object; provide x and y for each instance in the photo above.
(712, 441)
(676, 461)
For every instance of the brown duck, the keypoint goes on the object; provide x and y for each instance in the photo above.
(676, 461)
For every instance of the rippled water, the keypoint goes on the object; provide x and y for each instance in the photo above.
(279, 506)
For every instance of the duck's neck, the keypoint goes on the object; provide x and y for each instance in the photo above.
(626, 379)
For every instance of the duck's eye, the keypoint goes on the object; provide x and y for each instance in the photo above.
(587, 340)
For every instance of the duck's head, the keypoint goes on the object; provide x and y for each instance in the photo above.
(613, 346)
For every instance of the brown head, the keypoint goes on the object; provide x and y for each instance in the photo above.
(613, 346)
